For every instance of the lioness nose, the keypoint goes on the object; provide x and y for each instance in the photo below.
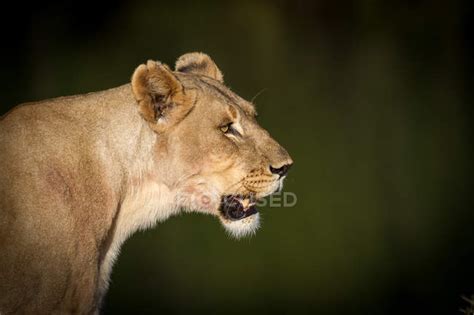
(281, 170)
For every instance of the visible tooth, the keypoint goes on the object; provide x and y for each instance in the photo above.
(245, 203)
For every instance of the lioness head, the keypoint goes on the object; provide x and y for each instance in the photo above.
(210, 148)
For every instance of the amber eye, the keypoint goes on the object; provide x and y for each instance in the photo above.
(225, 128)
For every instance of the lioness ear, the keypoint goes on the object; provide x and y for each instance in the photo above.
(159, 94)
(199, 63)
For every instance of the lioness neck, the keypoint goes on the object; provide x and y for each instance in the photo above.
(128, 144)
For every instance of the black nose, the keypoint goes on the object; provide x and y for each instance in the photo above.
(281, 170)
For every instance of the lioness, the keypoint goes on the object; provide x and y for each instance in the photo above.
(80, 174)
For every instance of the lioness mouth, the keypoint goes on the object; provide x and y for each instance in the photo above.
(237, 207)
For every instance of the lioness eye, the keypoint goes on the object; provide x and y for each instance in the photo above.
(228, 129)
(225, 128)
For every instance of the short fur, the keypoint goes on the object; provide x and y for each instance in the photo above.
(80, 174)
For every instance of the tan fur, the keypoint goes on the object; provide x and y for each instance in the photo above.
(80, 174)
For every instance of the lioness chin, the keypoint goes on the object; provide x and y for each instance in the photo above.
(80, 174)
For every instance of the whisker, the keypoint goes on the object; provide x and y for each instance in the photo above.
(258, 94)
(240, 183)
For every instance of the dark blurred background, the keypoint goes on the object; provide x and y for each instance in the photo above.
(373, 99)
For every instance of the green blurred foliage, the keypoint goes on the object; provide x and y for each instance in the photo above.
(371, 99)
